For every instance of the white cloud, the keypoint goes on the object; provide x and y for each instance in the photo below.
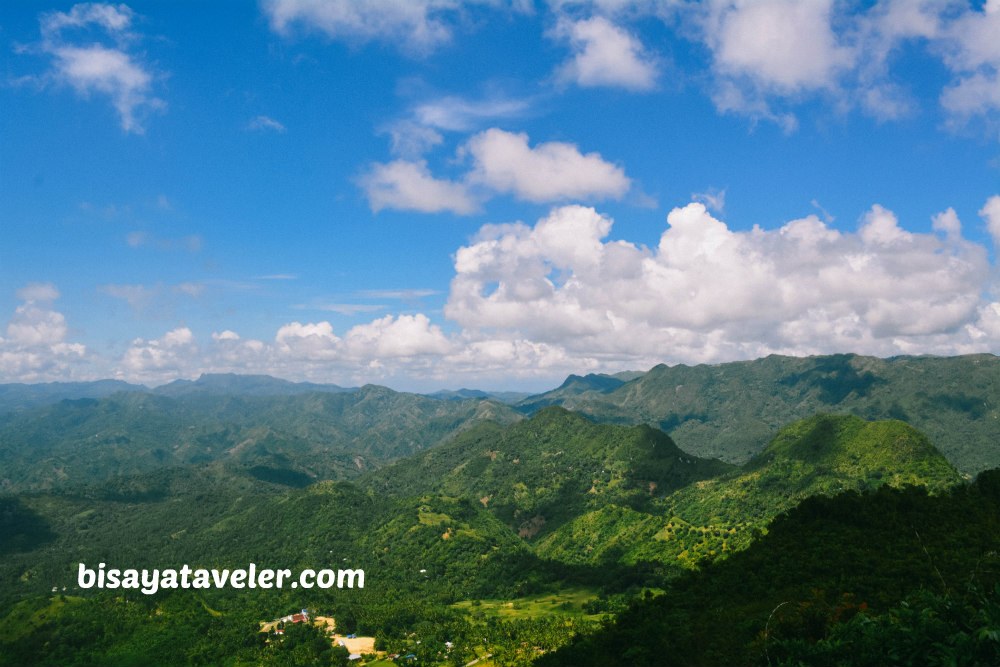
(34, 347)
(391, 337)
(605, 54)
(530, 303)
(406, 185)
(405, 295)
(773, 53)
(418, 26)
(307, 341)
(947, 222)
(266, 123)
(114, 19)
(140, 297)
(168, 357)
(33, 326)
(783, 45)
(189, 288)
(551, 171)
(90, 67)
(881, 227)
(225, 335)
(971, 47)
(991, 214)
(707, 293)
(411, 140)
(964, 38)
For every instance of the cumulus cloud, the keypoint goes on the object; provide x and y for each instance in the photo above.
(34, 347)
(109, 69)
(991, 214)
(708, 293)
(605, 54)
(780, 44)
(771, 53)
(405, 185)
(532, 302)
(169, 356)
(391, 337)
(972, 52)
(502, 163)
(552, 171)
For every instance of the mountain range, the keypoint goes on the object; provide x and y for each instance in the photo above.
(456, 501)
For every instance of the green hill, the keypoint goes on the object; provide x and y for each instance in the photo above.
(825, 454)
(536, 474)
(891, 577)
(731, 411)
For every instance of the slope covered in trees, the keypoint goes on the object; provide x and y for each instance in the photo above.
(825, 454)
(536, 474)
(731, 411)
(902, 576)
(300, 437)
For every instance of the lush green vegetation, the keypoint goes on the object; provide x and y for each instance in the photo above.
(537, 474)
(731, 411)
(552, 538)
(299, 438)
(708, 519)
(827, 585)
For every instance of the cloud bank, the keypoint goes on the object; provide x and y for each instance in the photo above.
(531, 303)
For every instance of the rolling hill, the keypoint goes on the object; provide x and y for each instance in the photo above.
(825, 454)
(538, 473)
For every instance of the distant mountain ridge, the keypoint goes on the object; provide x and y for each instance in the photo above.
(20, 396)
(301, 436)
(244, 385)
(731, 410)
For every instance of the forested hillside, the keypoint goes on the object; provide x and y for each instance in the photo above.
(731, 411)
(301, 438)
(537, 474)
(893, 576)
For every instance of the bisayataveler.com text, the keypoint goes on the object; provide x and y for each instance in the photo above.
(150, 581)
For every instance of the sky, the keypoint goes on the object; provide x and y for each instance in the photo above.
(438, 194)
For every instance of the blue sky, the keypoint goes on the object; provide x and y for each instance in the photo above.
(494, 194)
